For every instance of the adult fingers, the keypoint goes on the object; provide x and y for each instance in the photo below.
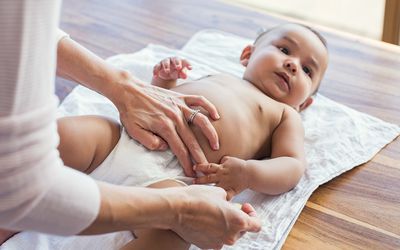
(189, 139)
(147, 138)
(168, 133)
(193, 100)
(253, 222)
(208, 168)
(248, 209)
(205, 126)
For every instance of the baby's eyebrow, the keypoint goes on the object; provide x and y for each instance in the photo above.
(292, 41)
(314, 63)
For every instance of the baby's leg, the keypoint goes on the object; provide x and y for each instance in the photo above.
(5, 235)
(158, 239)
(85, 141)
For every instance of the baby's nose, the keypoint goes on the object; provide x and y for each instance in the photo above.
(291, 66)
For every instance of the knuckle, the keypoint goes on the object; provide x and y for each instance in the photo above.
(176, 116)
(230, 241)
(239, 222)
(153, 145)
(181, 151)
(202, 119)
(166, 126)
(202, 98)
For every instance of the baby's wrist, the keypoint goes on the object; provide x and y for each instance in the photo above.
(247, 174)
(166, 84)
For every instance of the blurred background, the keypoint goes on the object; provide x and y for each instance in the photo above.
(361, 17)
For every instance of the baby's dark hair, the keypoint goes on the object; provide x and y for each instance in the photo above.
(320, 37)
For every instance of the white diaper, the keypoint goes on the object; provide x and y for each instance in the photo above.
(131, 164)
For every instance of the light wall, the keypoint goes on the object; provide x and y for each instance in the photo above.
(362, 17)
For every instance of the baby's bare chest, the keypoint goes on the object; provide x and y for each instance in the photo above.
(248, 118)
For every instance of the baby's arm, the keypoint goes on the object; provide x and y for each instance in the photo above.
(168, 71)
(283, 171)
(85, 141)
(272, 176)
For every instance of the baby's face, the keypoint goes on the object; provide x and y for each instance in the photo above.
(287, 64)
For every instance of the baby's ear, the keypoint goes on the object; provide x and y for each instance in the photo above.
(246, 53)
(306, 103)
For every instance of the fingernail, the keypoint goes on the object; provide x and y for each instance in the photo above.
(216, 146)
(217, 116)
(194, 167)
(163, 147)
(253, 214)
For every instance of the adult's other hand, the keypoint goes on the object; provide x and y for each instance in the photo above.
(207, 220)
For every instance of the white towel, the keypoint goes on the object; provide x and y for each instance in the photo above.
(337, 139)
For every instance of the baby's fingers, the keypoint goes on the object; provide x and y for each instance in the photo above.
(157, 69)
(207, 179)
(177, 63)
(186, 64)
(166, 65)
(208, 168)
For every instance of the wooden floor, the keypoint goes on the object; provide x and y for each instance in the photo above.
(358, 210)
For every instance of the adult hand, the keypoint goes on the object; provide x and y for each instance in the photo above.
(158, 117)
(207, 220)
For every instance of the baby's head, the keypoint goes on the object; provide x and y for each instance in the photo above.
(287, 63)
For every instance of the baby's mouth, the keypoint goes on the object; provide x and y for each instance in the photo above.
(284, 80)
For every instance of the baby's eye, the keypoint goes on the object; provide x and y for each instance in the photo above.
(307, 70)
(284, 50)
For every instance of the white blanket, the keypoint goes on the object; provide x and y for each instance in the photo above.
(337, 139)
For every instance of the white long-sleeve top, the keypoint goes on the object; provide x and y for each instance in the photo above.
(37, 192)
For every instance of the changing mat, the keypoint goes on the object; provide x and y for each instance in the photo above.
(337, 139)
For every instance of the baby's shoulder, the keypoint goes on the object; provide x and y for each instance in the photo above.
(290, 115)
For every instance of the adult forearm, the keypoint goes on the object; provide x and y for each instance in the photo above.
(274, 176)
(130, 208)
(77, 63)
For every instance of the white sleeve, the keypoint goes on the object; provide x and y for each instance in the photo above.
(60, 34)
(37, 192)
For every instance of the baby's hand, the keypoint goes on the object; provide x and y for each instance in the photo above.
(171, 68)
(230, 175)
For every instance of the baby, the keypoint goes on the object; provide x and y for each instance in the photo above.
(260, 131)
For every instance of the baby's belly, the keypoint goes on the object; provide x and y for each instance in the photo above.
(239, 130)
(233, 137)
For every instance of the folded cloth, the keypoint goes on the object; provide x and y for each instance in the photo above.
(337, 139)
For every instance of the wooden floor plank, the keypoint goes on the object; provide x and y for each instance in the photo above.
(350, 220)
(319, 230)
(369, 194)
